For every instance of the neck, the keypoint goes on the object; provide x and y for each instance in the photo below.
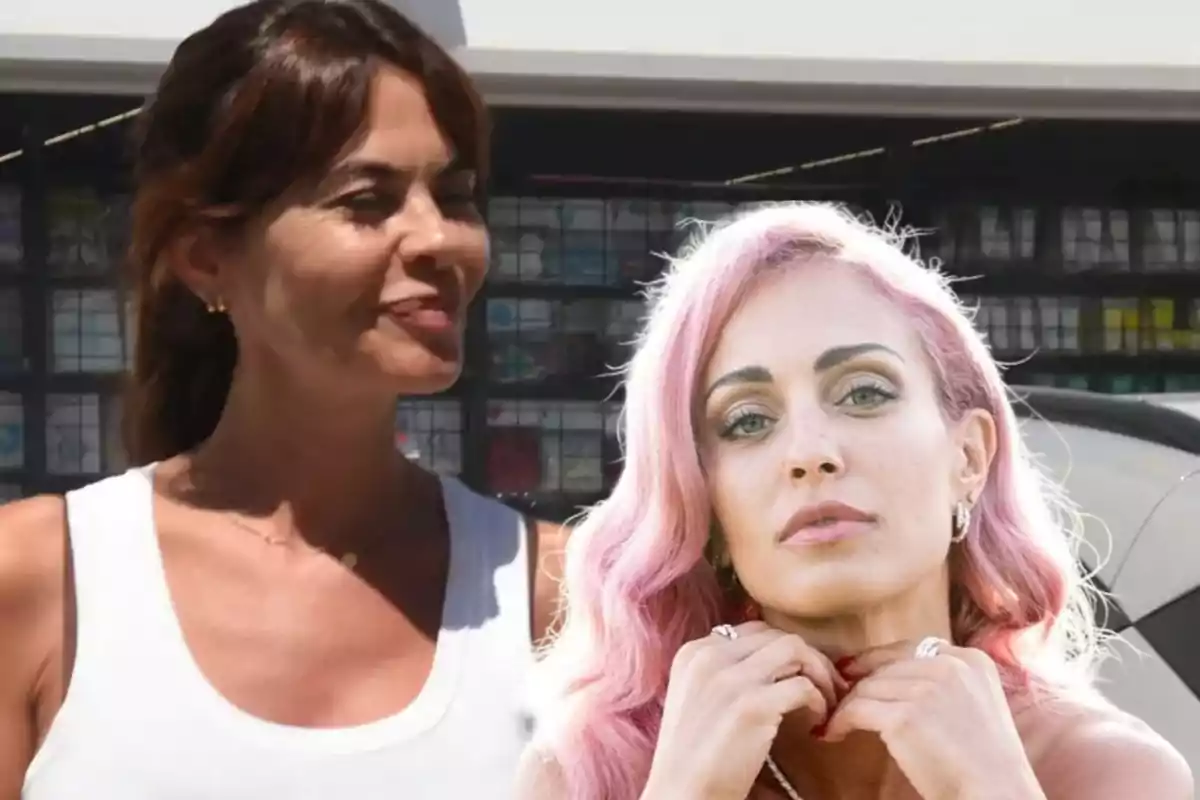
(856, 767)
(320, 463)
(920, 611)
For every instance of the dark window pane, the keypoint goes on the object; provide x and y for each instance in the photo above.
(1016, 327)
(10, 228)
(1095, 238)
(114, 449)
(550, 446)
(1019, 325)
(12, 356)
(87, 232)
(998, 235)
(1171, 240)
(533, 340)
(73, 434)
(12, 431)
(430, 433)
(86, 331)
(583, 241)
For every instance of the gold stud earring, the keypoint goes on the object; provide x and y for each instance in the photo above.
(216, 308)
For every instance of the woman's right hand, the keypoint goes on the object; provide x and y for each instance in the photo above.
(725, 701)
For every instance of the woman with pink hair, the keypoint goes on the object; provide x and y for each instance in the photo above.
(829, 568)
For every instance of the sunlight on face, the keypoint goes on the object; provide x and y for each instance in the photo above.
(819, 392)
(364, 276)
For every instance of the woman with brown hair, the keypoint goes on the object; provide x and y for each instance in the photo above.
(277, 603)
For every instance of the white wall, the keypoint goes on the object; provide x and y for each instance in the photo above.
(1032, 32)
(1063, 58)
(126, 19)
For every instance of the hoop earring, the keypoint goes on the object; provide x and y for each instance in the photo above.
(961, 524)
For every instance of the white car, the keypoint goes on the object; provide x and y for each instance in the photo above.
(1132, 465)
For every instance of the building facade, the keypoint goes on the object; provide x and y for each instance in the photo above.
(1062, 186)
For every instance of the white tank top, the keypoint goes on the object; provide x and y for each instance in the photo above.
(141, 722)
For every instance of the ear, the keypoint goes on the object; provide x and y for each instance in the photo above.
(193, 259)
(975, 442)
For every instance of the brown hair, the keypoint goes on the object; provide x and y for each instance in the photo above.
(265, 97)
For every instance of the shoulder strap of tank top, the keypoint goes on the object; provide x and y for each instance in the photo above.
(121, 601)
(497, 535)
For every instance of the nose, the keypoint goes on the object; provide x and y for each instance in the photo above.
(423, 236)
(814, 459)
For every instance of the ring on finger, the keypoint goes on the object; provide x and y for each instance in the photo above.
(726, 631)
(929, 647)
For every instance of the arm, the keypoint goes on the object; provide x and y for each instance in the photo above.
(1114, 758)
(547, 541)
(32, 577)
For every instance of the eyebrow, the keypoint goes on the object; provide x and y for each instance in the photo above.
(373, 169)
(825, 362)
(838, 355)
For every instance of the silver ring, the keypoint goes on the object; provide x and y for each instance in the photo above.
(727, 631)
(929, 647)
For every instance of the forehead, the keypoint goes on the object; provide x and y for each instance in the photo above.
(400, 127)
(796, 314)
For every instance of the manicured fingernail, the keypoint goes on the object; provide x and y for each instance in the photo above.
(818, 730)
(841, 664)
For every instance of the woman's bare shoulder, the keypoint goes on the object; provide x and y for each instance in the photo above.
(33, 550)
(33, 576)
(1089, 749)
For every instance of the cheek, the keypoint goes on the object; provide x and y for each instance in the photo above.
(471, 240)
(334, 253)
(741, 489)
(910, 465)
(324, 264)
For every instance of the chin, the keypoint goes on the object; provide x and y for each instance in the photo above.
(411, 368)
(427, 381)
(835, 596)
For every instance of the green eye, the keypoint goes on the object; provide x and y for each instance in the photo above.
(867, 395)
(745, 424)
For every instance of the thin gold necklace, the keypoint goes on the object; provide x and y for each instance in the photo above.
(348, 559)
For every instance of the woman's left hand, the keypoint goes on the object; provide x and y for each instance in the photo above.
(945, 721)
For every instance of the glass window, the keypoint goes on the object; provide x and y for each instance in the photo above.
(430, 432)
(551, 446)
(526, 238)
(985, 233)
(114, 448)
(1019, 325)
(10, 228)
(1095, 238)
(74, 434)
(87, 232)
(12, 431)
(86, 331)
(12, 354)
(535, 340)
(1171, 240)
(581, 241)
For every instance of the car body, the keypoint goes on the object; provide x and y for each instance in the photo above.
(1132, 467)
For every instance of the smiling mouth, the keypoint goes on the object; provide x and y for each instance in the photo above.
(428, 316)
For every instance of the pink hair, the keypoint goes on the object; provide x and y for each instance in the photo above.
(637, 584)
